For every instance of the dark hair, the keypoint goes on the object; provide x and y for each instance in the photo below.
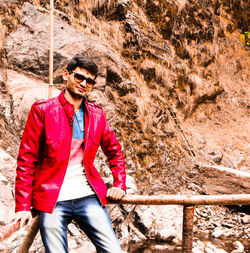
(82, 61)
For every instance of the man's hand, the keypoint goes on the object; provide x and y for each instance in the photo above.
(25, 218)
(115, 193)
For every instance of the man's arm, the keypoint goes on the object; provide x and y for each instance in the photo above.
(26, 162)
(112, 149)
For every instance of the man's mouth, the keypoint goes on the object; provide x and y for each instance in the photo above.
(81, 89)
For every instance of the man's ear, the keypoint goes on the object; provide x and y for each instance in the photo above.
(65, 75)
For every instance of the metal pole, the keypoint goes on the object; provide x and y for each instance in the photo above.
(187, 228)
(30, 236)
(51, 47)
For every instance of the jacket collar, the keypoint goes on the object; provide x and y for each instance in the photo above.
(68, 107)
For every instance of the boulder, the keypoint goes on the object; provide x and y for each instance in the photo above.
(160, 222)
(223, 180)
(7, 170)
(24, 91)
(33, 57)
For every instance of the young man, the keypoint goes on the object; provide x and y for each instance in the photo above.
(55, 172)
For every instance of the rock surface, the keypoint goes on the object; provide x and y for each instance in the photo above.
(173, 82)
(223, 180)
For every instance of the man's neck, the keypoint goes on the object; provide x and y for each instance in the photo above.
(74, 101)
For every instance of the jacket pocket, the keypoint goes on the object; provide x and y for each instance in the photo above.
(95, 140)
(51, 150)
(52, 146)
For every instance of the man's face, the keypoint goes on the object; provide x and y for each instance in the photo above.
(76, 88)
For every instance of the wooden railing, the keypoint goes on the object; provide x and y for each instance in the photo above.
(188, 201)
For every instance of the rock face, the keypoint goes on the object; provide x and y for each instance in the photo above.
(173, 83)
(6, 182)
(218, 179)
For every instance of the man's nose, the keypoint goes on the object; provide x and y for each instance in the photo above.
(83, 82)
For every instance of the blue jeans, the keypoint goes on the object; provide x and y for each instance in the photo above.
(91, 217)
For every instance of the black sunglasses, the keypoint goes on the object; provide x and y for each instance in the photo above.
(80, 78)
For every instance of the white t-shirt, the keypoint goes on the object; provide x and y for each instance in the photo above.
(75, 184)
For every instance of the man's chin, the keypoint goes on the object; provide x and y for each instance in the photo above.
(78, 95)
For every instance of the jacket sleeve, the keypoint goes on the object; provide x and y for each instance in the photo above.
(112, 149)
(28, 158)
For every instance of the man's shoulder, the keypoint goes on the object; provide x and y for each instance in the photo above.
(95, 107)
(40, 101)
(44, 103)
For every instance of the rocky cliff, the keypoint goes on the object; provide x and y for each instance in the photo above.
(174, 83)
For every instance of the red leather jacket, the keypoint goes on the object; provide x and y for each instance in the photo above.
(45, 149)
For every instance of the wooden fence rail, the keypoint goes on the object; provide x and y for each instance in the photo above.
(188, 202)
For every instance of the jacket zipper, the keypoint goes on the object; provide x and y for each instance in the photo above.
(71, 136)
(85, 142)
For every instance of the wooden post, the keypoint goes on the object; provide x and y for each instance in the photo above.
(187, 229)
(51, 47)
(30, 236)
